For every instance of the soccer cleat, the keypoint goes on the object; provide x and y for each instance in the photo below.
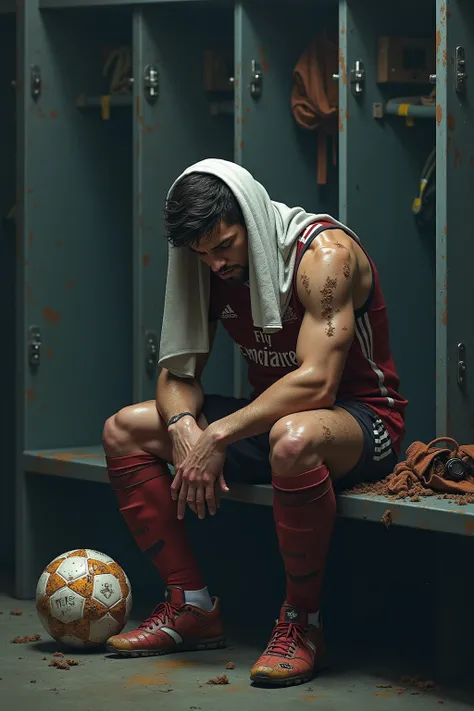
(173, 626)
(294, 653)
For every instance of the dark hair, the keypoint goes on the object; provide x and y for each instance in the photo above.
(197, 206)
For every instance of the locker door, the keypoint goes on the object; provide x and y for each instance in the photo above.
(73, 221)
(173, 128)
(268, 141)
(149, 252)
(455, 216)
(7, 275)
(74, 227)
(381, 162)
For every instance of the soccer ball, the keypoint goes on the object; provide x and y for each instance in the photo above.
(83, 597)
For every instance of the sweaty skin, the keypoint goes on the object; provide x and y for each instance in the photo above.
(334, 279)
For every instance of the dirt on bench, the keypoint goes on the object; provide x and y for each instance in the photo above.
(391, 489)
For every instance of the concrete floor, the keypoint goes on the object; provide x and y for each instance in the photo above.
(179, 682)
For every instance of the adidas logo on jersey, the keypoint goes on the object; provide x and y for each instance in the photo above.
(289, 315)
(228, 313)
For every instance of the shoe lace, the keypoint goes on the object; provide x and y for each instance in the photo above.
(163, 613)
(286, 637)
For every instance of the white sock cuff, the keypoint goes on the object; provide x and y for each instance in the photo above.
(199, 598)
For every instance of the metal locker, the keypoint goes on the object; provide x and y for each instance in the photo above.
(74, 297)
(8, 259)
(100, 142)
(185, 121)
(268, 141)
(455, 214)
(381, 162)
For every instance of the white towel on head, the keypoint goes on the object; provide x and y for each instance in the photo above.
(273, 230)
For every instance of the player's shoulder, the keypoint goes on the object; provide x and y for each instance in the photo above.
(333, 238)
(331, 249)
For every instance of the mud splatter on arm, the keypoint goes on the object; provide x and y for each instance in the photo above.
(325, 288)
(304, 279)
(325, 337)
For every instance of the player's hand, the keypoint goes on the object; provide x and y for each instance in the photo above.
(199, 476)
(184, 435)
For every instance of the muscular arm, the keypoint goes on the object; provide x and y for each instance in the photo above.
(175, 395)
(325, 287)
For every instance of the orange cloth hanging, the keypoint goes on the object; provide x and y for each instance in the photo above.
(314, 96)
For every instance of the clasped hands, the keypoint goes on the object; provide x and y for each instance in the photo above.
(198, 458)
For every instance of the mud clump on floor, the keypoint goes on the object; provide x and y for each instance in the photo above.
(424, 685)
(387, 518)
(25, 640)
(219, 680)
(413, 681)
(60, 662)
(16, 612)
(230, 665)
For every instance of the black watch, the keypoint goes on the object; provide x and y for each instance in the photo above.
(175, 418)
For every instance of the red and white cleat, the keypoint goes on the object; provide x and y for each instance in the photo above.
(294, 653)
(173, 626)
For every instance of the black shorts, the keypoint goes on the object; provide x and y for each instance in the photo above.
(248, 460)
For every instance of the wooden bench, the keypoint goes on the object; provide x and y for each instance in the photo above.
(433, 514)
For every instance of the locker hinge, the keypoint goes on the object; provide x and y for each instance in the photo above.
(151, 83)
(34, 346)
(357, 78)
(460, 69)
(35, 81)
(256, 80)
(151, 353)
(461, 363)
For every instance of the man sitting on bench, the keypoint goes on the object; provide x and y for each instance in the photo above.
(301, 297)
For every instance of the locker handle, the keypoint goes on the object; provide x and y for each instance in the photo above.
(460, 74)
(256, 80)
(36, 83)
(151, 83)
(461, 364)
(357, 78)
(34, 346)
(151, 353)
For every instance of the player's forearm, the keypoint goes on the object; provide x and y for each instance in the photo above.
(175, 395)
(304, 389)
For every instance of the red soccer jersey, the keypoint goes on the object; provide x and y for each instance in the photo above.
(369, 374)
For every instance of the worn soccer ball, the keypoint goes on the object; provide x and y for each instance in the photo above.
(83, 597)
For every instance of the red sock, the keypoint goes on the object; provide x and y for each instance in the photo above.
(142, 485)
(304, 509)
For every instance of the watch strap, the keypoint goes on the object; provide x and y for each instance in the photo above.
(175, 418)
